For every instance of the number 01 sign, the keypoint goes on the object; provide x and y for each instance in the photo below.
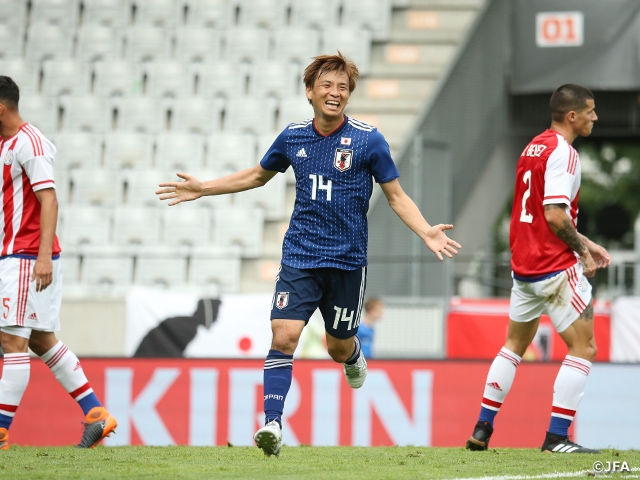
(559, 29)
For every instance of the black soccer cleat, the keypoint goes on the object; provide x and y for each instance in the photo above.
(479, 440)
(561, 444)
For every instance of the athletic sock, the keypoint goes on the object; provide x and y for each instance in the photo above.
(499, 381)
(278, 371)
(68, 371)
(568, 390)
(356, 352)
(16, 370)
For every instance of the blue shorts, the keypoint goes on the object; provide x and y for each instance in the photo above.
(339, 294)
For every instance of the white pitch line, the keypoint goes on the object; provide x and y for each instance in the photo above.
(579, 473)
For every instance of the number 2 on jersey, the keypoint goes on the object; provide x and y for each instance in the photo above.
(524, 216)
(318, 184)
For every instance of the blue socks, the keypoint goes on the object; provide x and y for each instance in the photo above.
(278, 370)
(559, 426)
(487, 415)
(88, 402)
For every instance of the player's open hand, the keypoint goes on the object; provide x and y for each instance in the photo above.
(599, 254)
(439, 243)
(190, 188)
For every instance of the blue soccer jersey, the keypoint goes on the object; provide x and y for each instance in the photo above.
(334, 174)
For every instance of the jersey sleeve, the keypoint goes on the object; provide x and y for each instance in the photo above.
(37, 157)
(558, 176)
(276, 157)
(383, 168)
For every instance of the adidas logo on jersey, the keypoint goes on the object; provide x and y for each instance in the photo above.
(495, 386)
(33, 316)
(301, 153)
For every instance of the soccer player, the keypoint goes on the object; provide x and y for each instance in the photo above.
(373, 312)
(30, 273)
(324, 255)
(550, 261)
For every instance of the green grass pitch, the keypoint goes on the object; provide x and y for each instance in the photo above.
(334, 463)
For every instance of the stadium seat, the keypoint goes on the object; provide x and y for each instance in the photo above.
(229, 151)
(270, 198)
(107, 269)
(61, 178)
(96, 187)
(269, 14)
(220, 79)
(13, 13)
(48, 41)
(373, 15)
(168, 79)
(197, 44)
(239, 226)
(355, 44)
(273, 79)
(117, 78)
(159, 13)
(218, 14)
(41, 112)
(147, 43)
(111, 13)
(196, 115)
(58, 12)
(220, 266)
(90, 114)
(187, 225)
(84, 224)
(161, 271)
(70, 269)
(246, 44)
(294, 110)
(78, 150)
(264, 144)
(249, 115)
(65, 77)
(136, 225)
(141, 187)
(12, 39)
(318, 14)
(98, 43)
(182, 152)
(141, 114)
(25, 74)
(128, 150)
(296, 44)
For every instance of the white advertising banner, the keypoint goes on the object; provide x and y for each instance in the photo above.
(625, 329)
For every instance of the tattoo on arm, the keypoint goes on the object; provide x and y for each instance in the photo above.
(587, 314)
(567, 232)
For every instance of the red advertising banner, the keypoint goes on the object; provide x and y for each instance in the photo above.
(476, 329)
(212, 402)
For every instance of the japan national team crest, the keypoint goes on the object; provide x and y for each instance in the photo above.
(282, 299)
(342, 160)
(8, 158)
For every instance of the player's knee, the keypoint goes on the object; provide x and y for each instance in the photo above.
(338, 354)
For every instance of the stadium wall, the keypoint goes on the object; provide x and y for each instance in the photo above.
(429, 403)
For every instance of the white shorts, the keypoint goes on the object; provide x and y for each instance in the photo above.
(563, 297)
(22, 306)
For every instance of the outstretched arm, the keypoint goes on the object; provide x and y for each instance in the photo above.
(433, 236)
(191, 188)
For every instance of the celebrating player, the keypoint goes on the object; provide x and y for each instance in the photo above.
(324, 255)
(550, 261)
(31, 276)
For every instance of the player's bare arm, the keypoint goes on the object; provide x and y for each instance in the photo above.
(598, 252)
(562, 226)
(433, 236)
(190, 188)
(43, 268)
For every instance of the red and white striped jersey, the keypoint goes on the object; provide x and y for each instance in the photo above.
(27, 166)
(548, 172)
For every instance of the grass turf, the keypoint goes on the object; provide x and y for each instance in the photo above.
(333, 463)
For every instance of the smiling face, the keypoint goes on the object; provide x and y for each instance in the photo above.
(329, 95)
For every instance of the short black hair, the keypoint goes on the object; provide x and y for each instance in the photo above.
(9, 92)
(567, 98)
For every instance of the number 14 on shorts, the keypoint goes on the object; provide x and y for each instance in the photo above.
(342, 316)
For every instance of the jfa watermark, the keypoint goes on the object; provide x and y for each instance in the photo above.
(610, 467)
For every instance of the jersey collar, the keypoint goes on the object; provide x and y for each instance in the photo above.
(340, 127)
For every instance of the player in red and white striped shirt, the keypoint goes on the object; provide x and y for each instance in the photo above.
(550, 261)
(30, 273)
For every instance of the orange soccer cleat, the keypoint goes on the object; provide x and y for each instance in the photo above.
(4, 439)
(99, 424)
